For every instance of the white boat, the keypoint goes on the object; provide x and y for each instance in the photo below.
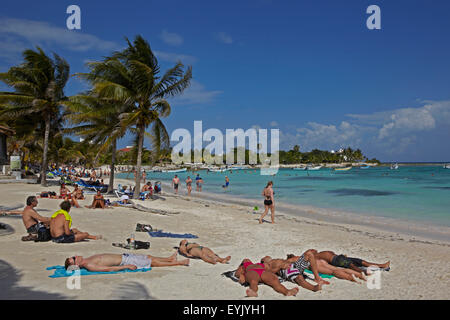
(447, 166)
(175, 170)
(218, 170)
(394, 166)
(299, 168)
(313, 167)
(342, 169)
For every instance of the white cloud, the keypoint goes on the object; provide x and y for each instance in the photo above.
(196, 94)
(274, 124)
(171, 38)
(394, 132)
(21, 33)
(174, 57)
(224, 37)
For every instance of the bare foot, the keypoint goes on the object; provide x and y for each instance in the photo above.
(226, 259)
(317, 287)
(322, 282)
(173, 257)
(354, 278)
(292, 292)
(251, 293)
(184, 262)
(260, 221)
(385, 265)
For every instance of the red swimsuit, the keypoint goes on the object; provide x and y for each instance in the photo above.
(259, 271)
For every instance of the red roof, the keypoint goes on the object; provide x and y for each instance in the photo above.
(124, 150)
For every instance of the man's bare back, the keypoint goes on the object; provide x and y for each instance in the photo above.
(30, 217)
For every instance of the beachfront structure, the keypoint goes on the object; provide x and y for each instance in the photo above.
(4, 133)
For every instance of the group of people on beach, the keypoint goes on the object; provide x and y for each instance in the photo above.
(270, 271)
(188, 181)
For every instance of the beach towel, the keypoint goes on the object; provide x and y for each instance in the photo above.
(61, 272)
(230, 275)
(160, 233)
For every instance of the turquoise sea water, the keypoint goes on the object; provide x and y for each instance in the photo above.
(416, 193)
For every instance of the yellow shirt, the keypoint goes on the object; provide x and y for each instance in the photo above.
(65, 213)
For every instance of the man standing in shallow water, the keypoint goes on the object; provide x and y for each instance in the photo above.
(175, 183)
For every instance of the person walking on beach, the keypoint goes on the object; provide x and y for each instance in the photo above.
(194, 250)
(107, 262)
(189, 185)
(268, 202)
(60, 227)
(175, 183)
(227, 182)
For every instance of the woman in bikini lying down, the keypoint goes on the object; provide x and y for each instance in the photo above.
(254, 273)
(194, 250)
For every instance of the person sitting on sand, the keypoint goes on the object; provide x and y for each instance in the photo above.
(32, 220)
(60, 227)
(254, 273)
(326, 268)
(343, 261)
(115, 262)
(98, 201)
(194, 250)
(147, 190)
(292, 271)
(64, 192)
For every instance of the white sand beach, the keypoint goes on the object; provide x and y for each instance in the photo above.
(419, 267)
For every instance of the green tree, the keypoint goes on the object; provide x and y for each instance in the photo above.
(38, 85)
(137, 83)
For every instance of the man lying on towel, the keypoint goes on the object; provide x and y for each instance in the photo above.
(115, 262)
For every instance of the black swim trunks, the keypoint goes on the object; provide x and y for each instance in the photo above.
(175, 185)
(34, 228)
(268, 202)
(65, 239)
(344, 262)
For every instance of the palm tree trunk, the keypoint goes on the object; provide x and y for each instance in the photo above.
(137, 189)
(44, 156)
(112, 166)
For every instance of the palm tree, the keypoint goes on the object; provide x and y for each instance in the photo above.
(98, 123)
(39, 92)
(132, 77)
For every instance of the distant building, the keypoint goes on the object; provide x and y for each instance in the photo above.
(4, 133)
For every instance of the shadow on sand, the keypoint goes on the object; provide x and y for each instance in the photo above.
(10, 290)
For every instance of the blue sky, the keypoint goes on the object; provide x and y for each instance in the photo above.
(310, 68)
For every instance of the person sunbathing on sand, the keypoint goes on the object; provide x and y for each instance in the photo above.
(343, 261)
(254, 273)
(60, 224)
(193, 250)
(290, 271)
(325, 268)
(116, 262)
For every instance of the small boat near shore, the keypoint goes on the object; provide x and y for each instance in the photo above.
(342, 169)
(446, 166)
(394, 166)
(175, 170)
(312, 168)
(299, 168)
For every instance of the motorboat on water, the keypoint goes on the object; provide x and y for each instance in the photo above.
(394, 166)
(175, 170)
(299, 168)
(313, 167)
(342, 169)
(447, 166)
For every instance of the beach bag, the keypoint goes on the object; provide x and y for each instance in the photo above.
(43, 235)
